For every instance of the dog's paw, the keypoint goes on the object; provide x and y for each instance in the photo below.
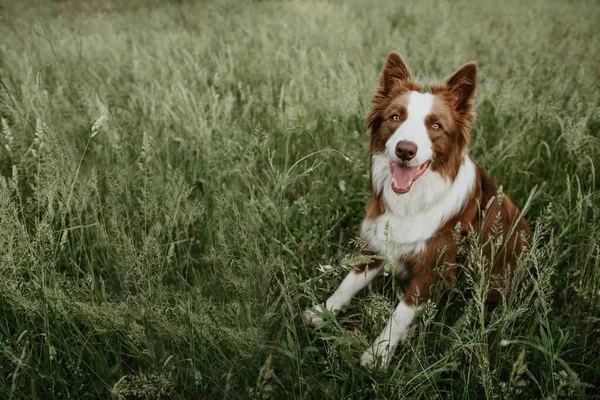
(378, 355)
(313, 316)
(367, 358)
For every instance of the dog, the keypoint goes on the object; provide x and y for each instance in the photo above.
(426, 194)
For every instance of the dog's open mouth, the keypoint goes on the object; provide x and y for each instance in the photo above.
(403, 176)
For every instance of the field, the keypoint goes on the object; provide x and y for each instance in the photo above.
(177, 176)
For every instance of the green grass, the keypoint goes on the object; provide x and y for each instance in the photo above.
(174, 173)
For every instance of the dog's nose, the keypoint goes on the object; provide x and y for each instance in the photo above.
(406, 150)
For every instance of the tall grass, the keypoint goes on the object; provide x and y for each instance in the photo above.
(173, 174)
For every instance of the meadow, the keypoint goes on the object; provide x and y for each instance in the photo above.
(180, 180)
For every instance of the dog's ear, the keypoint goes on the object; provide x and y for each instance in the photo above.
(461, 85)
(395, 72)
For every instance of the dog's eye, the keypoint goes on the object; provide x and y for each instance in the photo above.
(396, 117)
(436, 126)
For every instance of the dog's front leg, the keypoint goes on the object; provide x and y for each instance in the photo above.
(356, 280)
(399, 324)
(395, 331)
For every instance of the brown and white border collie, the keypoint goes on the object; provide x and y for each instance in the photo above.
(425, 187)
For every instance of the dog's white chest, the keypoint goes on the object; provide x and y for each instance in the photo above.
(413, 218)
(394, 236)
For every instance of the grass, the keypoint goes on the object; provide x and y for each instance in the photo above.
(173, 173)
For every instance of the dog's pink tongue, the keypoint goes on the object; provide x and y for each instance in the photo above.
(403, 177)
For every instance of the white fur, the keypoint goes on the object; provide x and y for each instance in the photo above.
(395, 331)
(351, 285)
(414, 129)
(412, 218)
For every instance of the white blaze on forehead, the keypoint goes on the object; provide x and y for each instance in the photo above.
(414, 129)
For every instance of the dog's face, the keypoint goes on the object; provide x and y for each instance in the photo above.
(421, 133)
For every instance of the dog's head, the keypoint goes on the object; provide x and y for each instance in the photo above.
(421, 133)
